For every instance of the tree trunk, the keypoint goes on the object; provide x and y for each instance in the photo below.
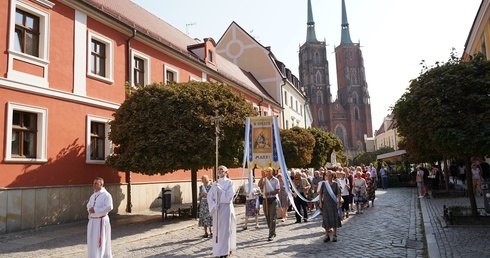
(446, 175)
(469, 186)
(129, 204)
(194, 192)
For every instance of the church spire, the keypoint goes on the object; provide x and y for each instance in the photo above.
(345, 36)
(310, 29)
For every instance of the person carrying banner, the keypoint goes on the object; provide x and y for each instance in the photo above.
(220, 203)
(271, 188)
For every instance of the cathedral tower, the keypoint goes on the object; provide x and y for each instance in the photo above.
(314, 76)
(349, 116)
(352, 94)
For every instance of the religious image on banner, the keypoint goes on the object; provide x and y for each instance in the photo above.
(262, 150)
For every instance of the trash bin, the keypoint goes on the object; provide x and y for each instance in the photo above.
(166, 202)
(486, 195)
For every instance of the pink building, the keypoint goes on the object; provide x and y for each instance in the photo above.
(63, 71)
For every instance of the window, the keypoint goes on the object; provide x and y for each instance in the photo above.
(171, 75)
(285, 97)
(356, 113)
(317, 58)
(26, 33)
(97, 58)
(26, 133)
(210, 56)
(28, 43)
(319, 97)
(141, 69)
(291, 101)
(320, 115)
(97, 138)
(100, 63)
(139, 72)
(98, 144)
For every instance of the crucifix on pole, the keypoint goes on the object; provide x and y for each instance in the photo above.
(216, 119)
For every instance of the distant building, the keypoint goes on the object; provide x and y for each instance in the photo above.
(479, 35)
(348, 116)
(387, 136)
(241, 49)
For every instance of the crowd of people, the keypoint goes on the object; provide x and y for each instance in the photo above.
(335, 193)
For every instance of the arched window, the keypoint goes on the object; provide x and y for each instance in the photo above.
(319, 97)
(355, 97)
(356, 113)
(320, 114)
(318, 78)
(339, 131)
(317, 58)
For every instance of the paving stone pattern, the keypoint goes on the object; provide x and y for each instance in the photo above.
(394, 227)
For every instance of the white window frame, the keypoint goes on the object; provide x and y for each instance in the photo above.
(42, 60)
(107, 143)
(191, 79)
(42, 132)
(172, 70)
(146, 59)
(109, 61)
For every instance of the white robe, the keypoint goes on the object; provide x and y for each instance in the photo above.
(102, 203)
(220, 202)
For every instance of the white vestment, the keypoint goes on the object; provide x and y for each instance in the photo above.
(99, 226)
(220, 202)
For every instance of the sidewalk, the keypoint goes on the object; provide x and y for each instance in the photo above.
(445, 240)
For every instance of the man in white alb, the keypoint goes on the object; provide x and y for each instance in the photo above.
(220, 203)
(99, 226)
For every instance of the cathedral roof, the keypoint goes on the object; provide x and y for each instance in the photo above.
(345, 34)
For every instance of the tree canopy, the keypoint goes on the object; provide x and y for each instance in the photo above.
(164, 128)
(297, 146)
(325, 144)
(446, 111)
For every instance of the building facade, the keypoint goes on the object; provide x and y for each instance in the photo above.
(349, 115)
(479, 35)
(240, 48)
(63, 73)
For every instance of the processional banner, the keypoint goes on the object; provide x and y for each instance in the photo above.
(261, 140)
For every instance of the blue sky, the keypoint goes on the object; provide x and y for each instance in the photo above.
(395, 35)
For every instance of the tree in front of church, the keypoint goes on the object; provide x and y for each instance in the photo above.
(446, 112)
(162, 128)
(297, 146)
(325, 144)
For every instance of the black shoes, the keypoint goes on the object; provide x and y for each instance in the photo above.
(271, 237)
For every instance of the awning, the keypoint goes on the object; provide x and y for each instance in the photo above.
(392, 156)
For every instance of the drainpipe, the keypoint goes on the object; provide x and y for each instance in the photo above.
(128, 44)
(129, 204)
(282, 102)
(260, 105)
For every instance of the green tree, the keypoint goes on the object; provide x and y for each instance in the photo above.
(160, 129)
(297, 146)
(446, 113)
(321, 149)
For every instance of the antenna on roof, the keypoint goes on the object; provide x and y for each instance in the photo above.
(187, 27)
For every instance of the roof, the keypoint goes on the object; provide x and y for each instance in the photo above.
(151, 25)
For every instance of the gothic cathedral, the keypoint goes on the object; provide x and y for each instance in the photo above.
(348, 116)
